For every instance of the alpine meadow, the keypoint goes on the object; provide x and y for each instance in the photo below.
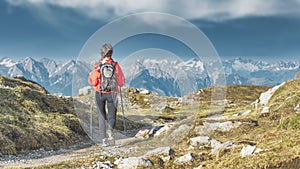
(211, 84)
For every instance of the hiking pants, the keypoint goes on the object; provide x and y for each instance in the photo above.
(112, 101)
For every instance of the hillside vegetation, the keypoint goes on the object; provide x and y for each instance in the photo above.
(31, 118)
(274, 134)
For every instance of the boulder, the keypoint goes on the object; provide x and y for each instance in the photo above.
(184, 159)
(208, 128)
(196, 141)
(133, 163)
(163, 152)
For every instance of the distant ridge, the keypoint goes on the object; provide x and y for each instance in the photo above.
(165, 77)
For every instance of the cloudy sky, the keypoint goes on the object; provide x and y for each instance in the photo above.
(265, 30)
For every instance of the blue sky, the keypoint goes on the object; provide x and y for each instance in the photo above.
(58, 29)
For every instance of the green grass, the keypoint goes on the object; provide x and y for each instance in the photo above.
(31, 118)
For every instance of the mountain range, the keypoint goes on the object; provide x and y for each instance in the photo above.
(163, 76)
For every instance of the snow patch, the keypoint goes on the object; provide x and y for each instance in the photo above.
(7, 62)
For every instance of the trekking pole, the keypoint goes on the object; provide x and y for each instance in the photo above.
(123, 117)
(91, 116)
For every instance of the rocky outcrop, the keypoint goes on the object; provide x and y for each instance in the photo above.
(208, 127)
(265, 97)
(205, 141)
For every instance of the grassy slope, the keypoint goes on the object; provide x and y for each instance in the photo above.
(31, 118)
(277, 133)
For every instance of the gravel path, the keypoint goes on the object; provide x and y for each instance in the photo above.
(83, 150)
(41, 157)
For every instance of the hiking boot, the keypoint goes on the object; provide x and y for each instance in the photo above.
(111, 140)
(105, 142)
(109, 134)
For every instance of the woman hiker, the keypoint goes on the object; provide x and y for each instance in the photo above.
(106, 77)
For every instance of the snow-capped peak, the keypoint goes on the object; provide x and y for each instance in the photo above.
(7, 62)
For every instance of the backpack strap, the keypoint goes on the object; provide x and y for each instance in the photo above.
(113, 63)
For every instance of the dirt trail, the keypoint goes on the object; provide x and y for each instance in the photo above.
(125, 147)
(52, 159)
(44, 157)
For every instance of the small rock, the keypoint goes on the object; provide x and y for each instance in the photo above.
(215, 143)
(216, 118)
(117, 161)
(143, 133)
(133, 163)
(163, 129)
(154, 130)
(104, 165)
(191, 148)
(201, 153)
(255, 104)
(163, 152)
(216, 146)
(160, 151)
(199, 167)
(184, 159)
(242, 113)
(297, 108)
(199, 140)
(246, 151)
(144, 91)
(258, 150)
(265, 109)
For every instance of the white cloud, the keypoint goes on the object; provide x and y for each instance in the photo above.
(216, 10)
